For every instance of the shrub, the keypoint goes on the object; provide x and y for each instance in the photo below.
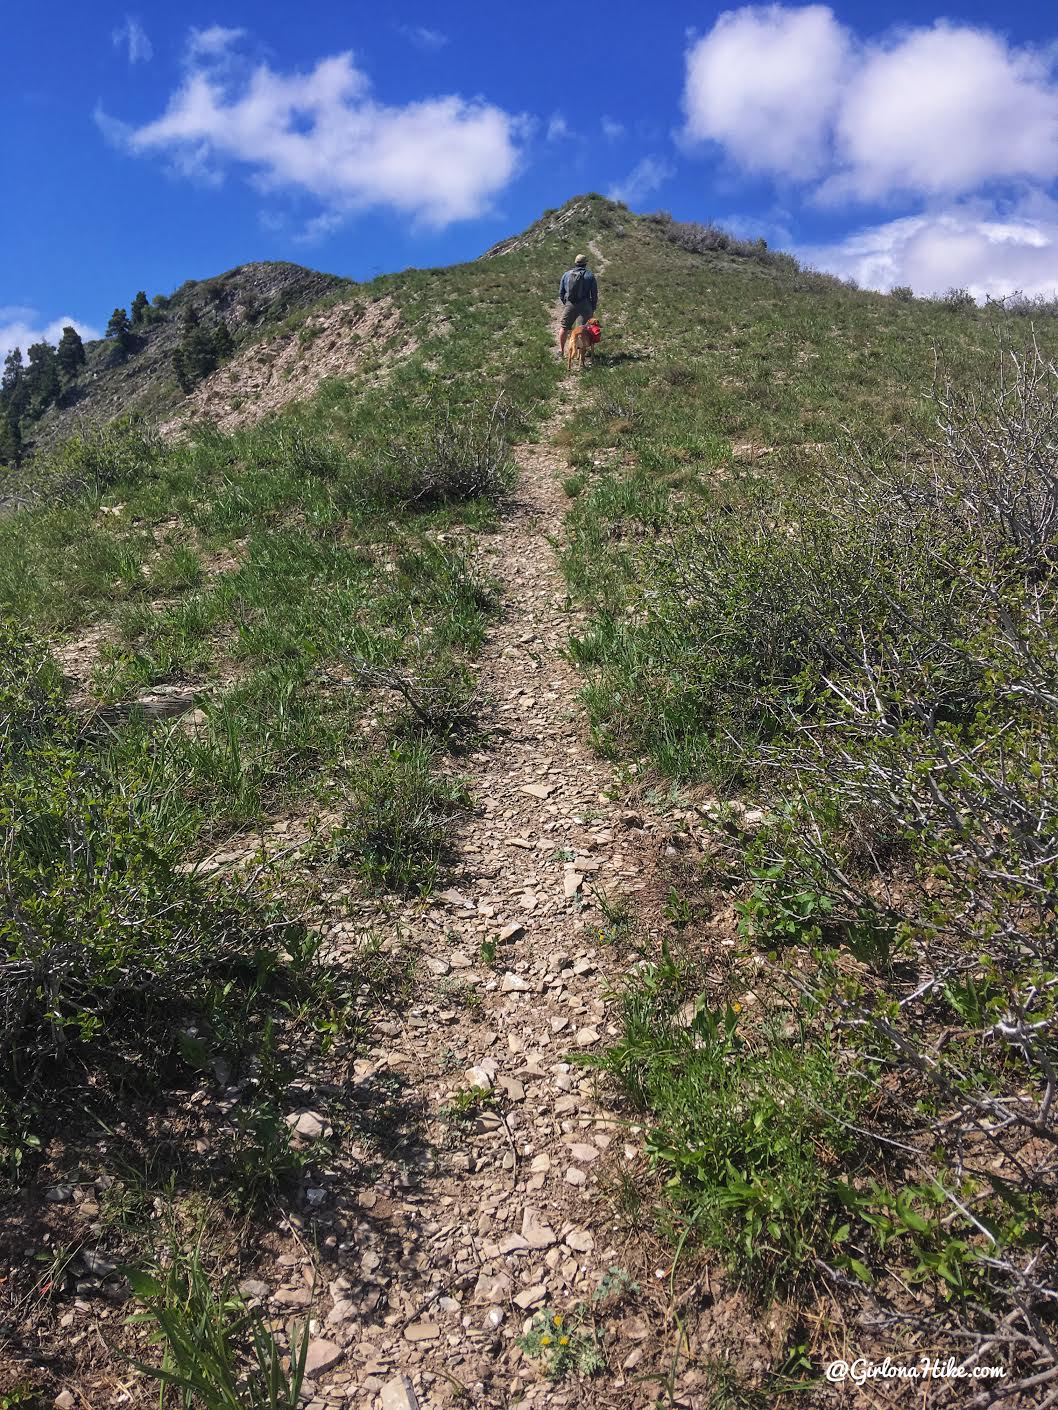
(903, 293)
(956, 300)
(455, 455)
(114, 959)
(124, 451)
(395, 833)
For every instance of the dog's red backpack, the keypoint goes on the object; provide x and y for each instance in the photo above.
(593, 330)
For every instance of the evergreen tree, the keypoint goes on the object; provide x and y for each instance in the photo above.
(13, 384)
(10, 440)
(42, 379)
(183, 376)
(139, 309)
(70, 352)
(223, 346)
(120, 329)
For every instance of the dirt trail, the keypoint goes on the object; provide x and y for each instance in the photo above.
(491, 1219)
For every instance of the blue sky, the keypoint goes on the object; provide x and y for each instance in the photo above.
(144, 146)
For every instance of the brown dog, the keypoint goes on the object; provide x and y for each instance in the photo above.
(581, 343)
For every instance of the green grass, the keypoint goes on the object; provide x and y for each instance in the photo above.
(817, 579)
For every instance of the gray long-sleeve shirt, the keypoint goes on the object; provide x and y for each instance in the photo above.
(589, 288)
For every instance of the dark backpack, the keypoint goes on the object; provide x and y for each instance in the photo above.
(575, 285)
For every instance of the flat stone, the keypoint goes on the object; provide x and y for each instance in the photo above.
(292, 1297)
(513, 1243)
(514, 1089)
(479, 1078)
(398, 1394)
(513, 983)
(581, 1151)
(580, 1240)
(586, 1037)
(571, 883)
(541, 1164)
(309, 1124)
(422, 1331)
(539, 790)
(97, 1265)
(575, 1176)
(253, 1287)
(514, 931)
(321, 1356)
(536, 1233)
(531, 1297)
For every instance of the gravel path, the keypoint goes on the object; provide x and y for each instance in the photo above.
(493, 1217)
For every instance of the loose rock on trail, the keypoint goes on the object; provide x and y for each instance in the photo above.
(475, 1224)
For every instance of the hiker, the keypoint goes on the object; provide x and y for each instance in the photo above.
(579, 294)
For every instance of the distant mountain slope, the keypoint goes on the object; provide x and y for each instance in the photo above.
(252, 299)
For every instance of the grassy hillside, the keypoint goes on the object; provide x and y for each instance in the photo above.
(813, 530)
(238, 672)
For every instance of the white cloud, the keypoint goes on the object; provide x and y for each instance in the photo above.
(965, 246)
(437, 160)
(646, 176)
(212, 44)
(611, 129)
(20, 327)
(929, 111)
(558, 128)
(422, 37)
(132, 37)
(764, 83)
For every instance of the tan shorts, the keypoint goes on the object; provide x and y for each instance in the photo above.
(572, 312)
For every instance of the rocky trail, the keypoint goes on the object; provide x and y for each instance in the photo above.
(482, 1220)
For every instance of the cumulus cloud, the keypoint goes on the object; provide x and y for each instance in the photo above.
(322, 133)
(646, 176)
(132, 37)
(21, 327)
(965, 246)
(558, 129)
(930, 111)
(764, 83)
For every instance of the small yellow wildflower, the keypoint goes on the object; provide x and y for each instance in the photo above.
(545, 1341)
(736, 1008)
(563, 1341)
(557, 1319)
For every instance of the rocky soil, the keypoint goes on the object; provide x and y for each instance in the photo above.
(508, 1211)
(265, 377)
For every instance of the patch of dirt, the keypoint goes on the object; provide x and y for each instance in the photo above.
(269, 375)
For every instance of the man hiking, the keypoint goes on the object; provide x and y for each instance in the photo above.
(579, 294)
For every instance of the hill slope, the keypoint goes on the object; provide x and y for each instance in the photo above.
(318, 903)
(251, 300)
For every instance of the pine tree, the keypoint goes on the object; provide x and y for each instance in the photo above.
(139, 309)
(13, 384)
(223, 345)
(183, 377)
(120, 329)
(10, 440)
(42, 379)
(70, 352)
